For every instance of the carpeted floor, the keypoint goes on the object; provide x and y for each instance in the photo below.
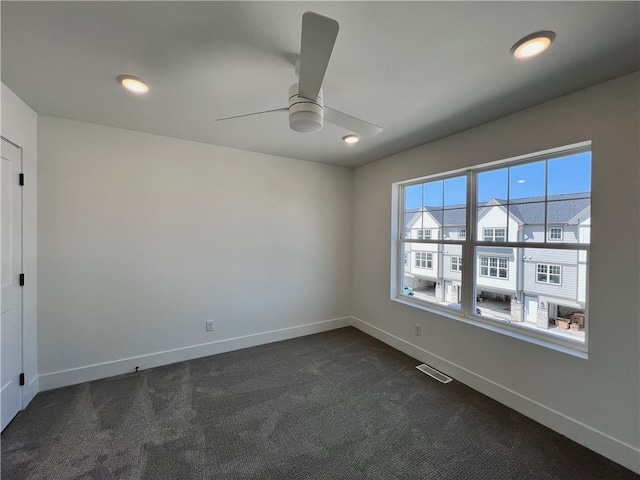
(336, 405)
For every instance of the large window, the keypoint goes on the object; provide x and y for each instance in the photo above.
(494, 267)
(549, 273)
(525, 227)
(424, 260)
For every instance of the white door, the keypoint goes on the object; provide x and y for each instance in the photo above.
(531, 309)
(11, 302)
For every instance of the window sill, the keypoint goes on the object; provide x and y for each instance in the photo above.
(502, 327)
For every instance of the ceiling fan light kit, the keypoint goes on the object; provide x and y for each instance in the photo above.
(305, 115)
(307, 112)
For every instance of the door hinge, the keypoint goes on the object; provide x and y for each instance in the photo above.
(21, 279)
(21, 179)
(21, 379)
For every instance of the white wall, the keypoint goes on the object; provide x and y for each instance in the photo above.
(19, 125)
(595, 401)
(143, 238)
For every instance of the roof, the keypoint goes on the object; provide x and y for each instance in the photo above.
(561, 209)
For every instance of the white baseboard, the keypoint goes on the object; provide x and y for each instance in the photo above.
(620, 452)
(88, 373)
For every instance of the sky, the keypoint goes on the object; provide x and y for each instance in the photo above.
(569, 174)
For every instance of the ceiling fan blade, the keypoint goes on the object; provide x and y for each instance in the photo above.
(362, 128)
(250, 114)
(318, 37)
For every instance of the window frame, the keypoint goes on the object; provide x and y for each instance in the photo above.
(498, 261)
(553, 227)
(470, 268)
(548, 273)
(428, 260)
(493, 236)
(457, 263)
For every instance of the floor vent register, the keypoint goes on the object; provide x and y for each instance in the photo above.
(432, 372)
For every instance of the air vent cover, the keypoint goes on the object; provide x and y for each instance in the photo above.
(432, 372)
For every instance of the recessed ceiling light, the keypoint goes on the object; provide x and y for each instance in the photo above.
(533, 44)
(133, 84)
(350, 139)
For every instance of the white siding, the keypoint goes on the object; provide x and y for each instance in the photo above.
(537, 233)
(582, 283)
(489, 283)
(567, 289)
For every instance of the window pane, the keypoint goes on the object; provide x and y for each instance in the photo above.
(455, 191)
(496, 282)
(413, 198)
(574, 215)
(430, 276)
(530, 216)
(492, 184)
(570, 174)
(454, 220)
(492, 224)
(527, 181)
(433, 194)
(412, 210)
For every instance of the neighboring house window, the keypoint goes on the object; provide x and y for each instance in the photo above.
(494, 234)
(546, 273)
(494, 267)
(456, 264)
(519, 209)
(555, 233)
(424, 260)
(405, 258)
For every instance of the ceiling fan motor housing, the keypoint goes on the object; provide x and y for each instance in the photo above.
(305, 114)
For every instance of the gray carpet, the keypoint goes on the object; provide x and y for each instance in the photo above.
(336, 405)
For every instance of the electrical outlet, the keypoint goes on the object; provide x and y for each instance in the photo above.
(209, 326)
(418, 330)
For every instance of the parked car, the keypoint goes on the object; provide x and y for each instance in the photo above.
(408, 291)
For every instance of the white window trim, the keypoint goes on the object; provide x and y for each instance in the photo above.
(428, 260)
(548, 274)
(462, 233)
(497, 267)
(555, 239)
(457, 264)
(493, 234)
(465, 314)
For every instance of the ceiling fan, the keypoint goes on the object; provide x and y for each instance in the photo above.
(306, 108)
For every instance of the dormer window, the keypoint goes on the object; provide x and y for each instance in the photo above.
(424, 234)
(555, 233)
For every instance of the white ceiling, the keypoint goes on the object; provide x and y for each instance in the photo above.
(420, 70)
